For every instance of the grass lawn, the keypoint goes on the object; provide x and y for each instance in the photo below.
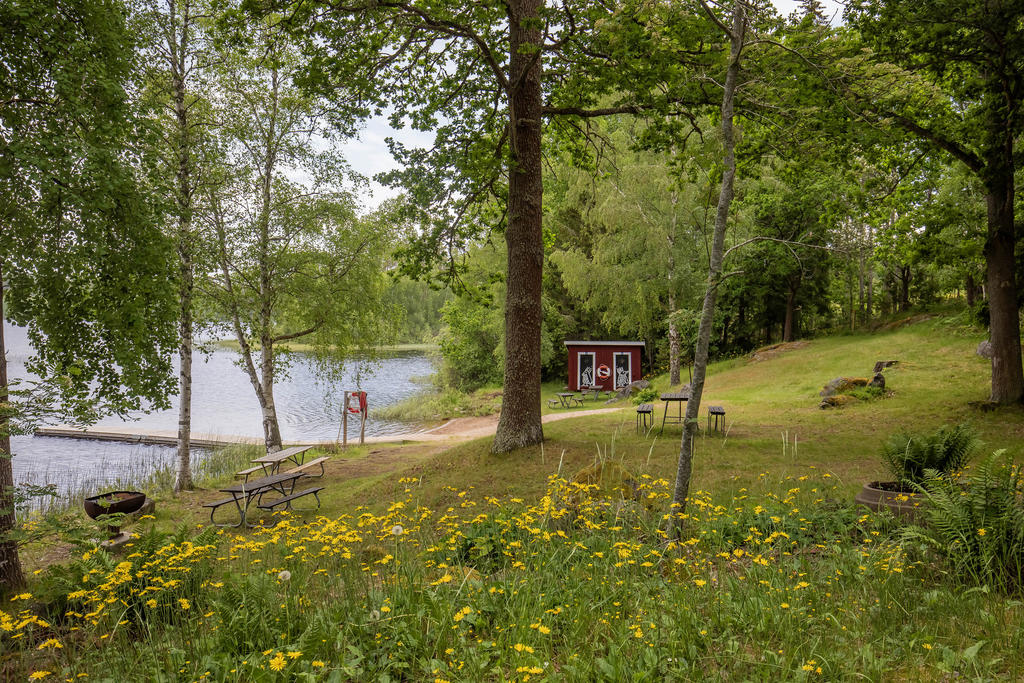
(431, 561)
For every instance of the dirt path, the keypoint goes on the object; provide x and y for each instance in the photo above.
(462, 428)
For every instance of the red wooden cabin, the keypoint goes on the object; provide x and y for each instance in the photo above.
(606, 364)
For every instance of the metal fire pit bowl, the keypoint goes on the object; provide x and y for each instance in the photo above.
(125, 502)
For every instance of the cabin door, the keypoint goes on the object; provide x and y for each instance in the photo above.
(587, 364)
(623, 369)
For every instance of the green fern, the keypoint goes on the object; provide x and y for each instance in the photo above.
(978, 527)
(908, 457)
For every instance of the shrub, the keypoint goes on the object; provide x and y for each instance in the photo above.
(907, 457)
(978, 527)
(647, 395)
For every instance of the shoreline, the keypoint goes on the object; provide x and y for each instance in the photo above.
(455, 429)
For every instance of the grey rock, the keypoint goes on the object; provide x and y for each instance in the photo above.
(883, 364)
(627, 391)
(984, 349)
(878, 381)
(832, 387)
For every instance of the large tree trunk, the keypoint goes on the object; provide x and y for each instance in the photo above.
(700, 356)
(787, 325)
(1004, 315)
(520, 424)
(11, 576)
(905, 275)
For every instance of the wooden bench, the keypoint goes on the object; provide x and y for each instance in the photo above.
(287, 500)
(312, 463)
(216, 504)
(643, 411)
(552, 403)
(245, 473)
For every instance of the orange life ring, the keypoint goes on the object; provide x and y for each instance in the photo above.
(603, 372)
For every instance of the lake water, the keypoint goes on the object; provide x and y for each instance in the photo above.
(223, 403)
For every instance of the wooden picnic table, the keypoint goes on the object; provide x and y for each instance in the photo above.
(243, 494)
(296, 454)
(679, 398)
(567, 397)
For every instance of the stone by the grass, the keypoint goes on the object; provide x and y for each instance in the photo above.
(116, 543)
(835, 401)
(629, 390)
(842, 384)
(984, 349)
(878, 381)
(883, 364)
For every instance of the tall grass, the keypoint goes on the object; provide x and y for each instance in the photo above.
(578, 586)
(65, 490)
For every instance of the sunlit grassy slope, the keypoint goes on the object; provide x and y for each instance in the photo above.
(774, 424)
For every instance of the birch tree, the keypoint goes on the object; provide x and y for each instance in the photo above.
(735, 29)
(293, 260)
(179, 50)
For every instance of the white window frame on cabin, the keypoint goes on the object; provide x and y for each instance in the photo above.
(579, 368)
(615, 368)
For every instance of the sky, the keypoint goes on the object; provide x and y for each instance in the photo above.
(368, 153)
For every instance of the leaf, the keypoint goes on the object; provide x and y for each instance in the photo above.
(972, 652)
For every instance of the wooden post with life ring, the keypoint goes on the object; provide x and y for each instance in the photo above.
(359, 409)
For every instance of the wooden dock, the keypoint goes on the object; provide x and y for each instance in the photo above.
(146, 437)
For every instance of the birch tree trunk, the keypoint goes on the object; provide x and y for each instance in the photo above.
(673, 331)
(179, 25)
(700, 357)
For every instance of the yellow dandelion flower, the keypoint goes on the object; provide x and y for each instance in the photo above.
(519, 647)
(700, 582)
(51, 643)
(277, 663)
(926, 646)
(294, 655)
(151, 603)
(184, 603)
(784, 605)
(38, 675)
(982, 532)
(317, 663)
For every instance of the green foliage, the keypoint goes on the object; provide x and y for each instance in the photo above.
(909, 457)
(645, 396)
(81, 251)
(469, 343)
(978, 527)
